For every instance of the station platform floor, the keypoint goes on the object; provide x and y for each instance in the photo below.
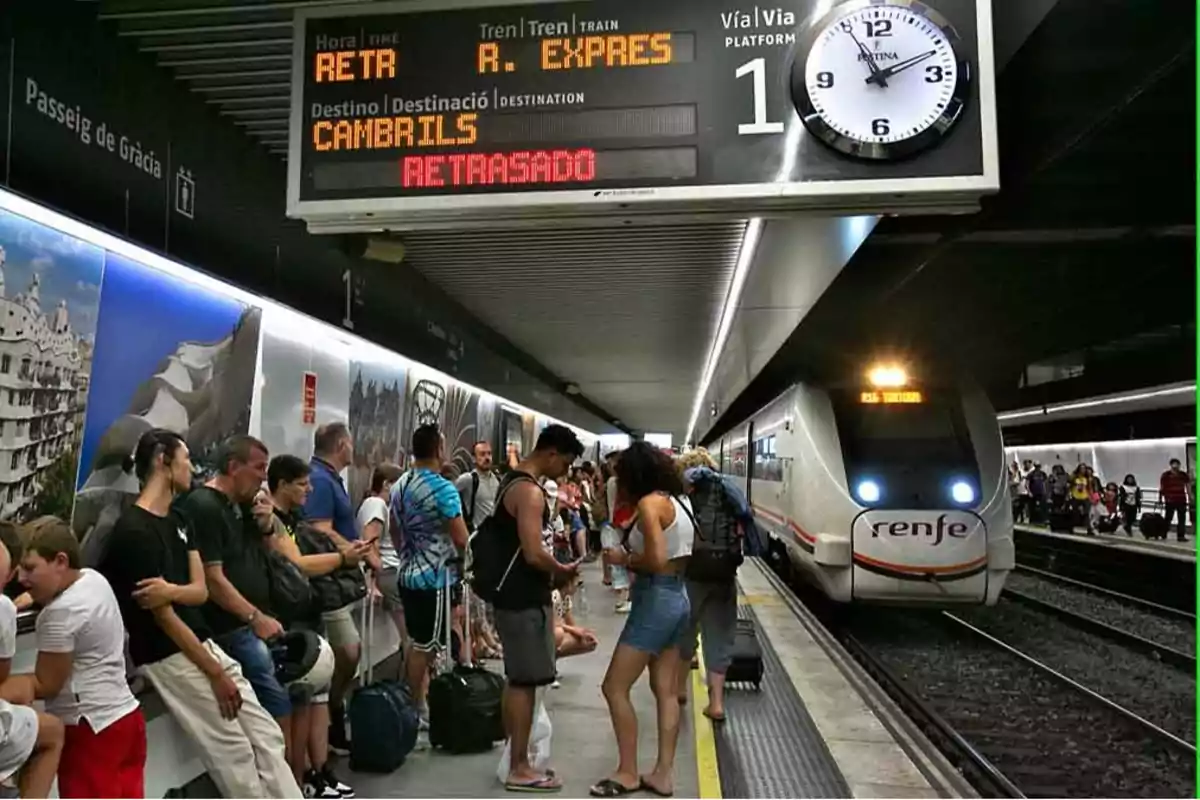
(1167, 548)
(807, 732)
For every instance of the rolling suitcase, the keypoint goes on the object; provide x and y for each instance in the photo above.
(747, 663)
(465, 700)
(383, 720)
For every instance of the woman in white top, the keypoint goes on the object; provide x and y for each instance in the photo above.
(373, 519)
(657, 551)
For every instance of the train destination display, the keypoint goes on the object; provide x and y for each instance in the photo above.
(584, 103)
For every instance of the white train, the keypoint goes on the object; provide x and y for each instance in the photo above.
(883, 490)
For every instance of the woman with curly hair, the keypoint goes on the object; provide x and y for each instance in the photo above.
(656, 550)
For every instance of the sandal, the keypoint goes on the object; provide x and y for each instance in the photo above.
(718, 718)
(547, 784)
(646, 786)
(610, 788)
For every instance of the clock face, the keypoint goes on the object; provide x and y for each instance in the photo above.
(882, 80)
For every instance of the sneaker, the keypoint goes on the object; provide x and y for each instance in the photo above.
(623, 607)
(316, 787)
(332, 781)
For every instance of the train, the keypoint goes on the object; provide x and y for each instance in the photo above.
(883, 488)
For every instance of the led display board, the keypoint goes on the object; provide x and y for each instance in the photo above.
(410, 115)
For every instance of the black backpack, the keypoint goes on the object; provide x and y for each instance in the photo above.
(489, 561)
(717, 547)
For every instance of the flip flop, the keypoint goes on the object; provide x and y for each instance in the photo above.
(714, 717)
(647, 787)
(544, 785)
(610, 788)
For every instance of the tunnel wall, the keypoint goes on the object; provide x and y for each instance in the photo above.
(92, 126)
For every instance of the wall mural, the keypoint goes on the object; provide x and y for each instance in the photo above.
(376, 416)
(49, 299)
(186, 361)
(459, 427)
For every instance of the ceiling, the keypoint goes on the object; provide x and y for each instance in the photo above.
(1092, 237)
(627, 314)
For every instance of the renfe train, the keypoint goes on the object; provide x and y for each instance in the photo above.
(882, 489)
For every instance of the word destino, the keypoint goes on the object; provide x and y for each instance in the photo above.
(73, 119)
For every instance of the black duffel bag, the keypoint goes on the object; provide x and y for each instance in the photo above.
(338, 589)
(291, 591)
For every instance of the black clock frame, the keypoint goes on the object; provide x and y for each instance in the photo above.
(877, 151)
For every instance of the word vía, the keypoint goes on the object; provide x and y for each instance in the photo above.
(498, 169)
(937, 530)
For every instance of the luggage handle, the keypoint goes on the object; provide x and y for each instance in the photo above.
(368, 630)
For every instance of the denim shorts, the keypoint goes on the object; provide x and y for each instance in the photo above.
(659, 613)
(259, 668)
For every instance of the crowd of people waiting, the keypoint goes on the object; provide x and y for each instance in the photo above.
(1082, 499)
(185, 588)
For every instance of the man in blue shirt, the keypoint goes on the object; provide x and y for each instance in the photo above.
(329, 510)
(430, 530)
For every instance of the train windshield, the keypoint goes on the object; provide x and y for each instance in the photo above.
(913, 447)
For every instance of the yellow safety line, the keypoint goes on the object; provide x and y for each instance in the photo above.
(708, 772)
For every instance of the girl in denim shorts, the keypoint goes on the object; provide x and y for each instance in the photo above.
(656, 552)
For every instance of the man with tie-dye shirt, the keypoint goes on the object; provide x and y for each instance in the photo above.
(428, 528)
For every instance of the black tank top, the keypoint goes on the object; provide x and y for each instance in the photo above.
(525, 586)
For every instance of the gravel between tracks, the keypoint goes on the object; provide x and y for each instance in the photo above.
(1048, 739)
(1175, 633)
(1161, 693)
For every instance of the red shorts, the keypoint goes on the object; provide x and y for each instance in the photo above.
(111, 763)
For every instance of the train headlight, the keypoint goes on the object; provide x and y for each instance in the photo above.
(868, 491)
(962, 492)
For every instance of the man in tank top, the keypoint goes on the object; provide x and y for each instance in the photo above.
(524, 614)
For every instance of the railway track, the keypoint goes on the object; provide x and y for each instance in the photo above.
(1014, 725)
(1165, 634)
(1021, 727)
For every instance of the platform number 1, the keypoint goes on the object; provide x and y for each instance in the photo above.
(757, 68)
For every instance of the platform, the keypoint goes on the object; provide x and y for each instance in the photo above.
(1168, 548)
(809, 731)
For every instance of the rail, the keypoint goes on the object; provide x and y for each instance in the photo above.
(1148, 727)
(1168, 655)
(1148, 605)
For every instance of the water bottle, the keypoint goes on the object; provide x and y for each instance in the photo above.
(581, 598)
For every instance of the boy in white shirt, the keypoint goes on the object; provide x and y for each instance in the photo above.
(31, 742)
(80, 670)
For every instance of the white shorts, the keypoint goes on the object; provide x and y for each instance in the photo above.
(18, 744)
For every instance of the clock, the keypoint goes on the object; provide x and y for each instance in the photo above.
(881, 80)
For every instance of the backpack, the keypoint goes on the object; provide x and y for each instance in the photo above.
(717, 547)
(489, 563)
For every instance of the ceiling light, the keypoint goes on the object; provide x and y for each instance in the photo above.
(887, 375)
(1104, 401)
(732, 298)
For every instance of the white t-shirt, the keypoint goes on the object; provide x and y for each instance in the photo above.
(8, 628)
(376, 508)
(86, 620)
(485, 503)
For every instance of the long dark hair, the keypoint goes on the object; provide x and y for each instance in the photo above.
(644, 469)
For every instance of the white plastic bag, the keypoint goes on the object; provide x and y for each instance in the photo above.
(539, 741)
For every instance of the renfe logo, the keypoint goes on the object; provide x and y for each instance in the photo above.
(937, 530)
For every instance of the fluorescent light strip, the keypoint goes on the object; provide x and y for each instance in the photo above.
(296, 322)
(1129, 398)
(1174, 441)
(732, 298)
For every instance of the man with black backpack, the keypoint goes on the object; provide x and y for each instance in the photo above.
(513, 570)
(478, 487)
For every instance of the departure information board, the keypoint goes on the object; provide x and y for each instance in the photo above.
(488, 105)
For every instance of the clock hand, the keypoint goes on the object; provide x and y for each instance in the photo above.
(888, 72)
(876, 74)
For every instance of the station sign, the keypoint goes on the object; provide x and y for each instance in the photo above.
(413, 115)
